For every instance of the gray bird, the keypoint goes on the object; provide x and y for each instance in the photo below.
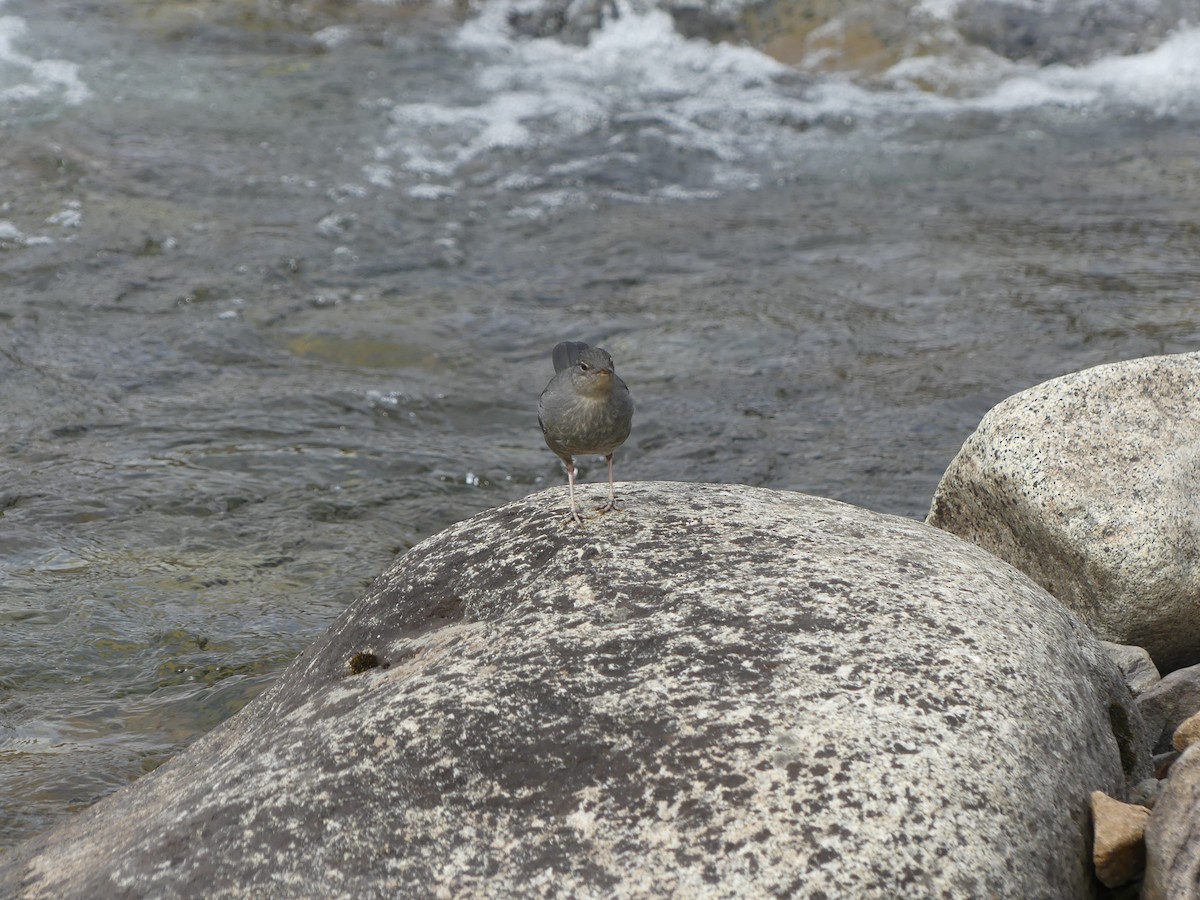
(585, 410)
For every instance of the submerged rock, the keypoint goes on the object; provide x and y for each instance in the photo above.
(868, 36)
(1071, 32)
(1088, 483)
(719, 689)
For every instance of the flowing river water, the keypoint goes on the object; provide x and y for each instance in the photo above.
(279, 284)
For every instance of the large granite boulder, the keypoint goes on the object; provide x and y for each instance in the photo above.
(718, 690)
(1089, 484)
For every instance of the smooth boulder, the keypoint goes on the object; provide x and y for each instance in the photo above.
(715, 691)
(1088, 483)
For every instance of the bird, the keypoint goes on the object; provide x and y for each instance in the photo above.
(585, 410)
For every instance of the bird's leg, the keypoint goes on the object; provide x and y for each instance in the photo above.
(612, 494)
(571, 483)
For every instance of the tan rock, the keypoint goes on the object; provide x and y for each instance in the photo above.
(1187, 733)
(1119, 848)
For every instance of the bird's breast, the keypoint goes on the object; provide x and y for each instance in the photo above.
(583, 425)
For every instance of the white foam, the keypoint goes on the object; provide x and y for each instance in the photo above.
(70, 216)
(333, 36)
(12, 236)
(636, 76)
(939, 10)
(24, 79)
(427, 191)
(641, 105)
(1164, 80)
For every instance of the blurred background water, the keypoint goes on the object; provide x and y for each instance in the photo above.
(279, 283)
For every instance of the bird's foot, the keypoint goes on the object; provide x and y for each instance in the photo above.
(610, 505)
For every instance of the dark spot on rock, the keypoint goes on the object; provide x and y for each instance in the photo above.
(1163, 763)
(1123, 731)
(823, 856)
(361, 662)
(447, 608)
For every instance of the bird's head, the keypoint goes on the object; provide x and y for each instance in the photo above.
(593, 372)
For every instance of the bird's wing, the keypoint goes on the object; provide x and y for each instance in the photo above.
(567, 353)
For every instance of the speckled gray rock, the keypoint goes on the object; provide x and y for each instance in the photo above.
(719, 691)
(1135, 666)
(1088, 483)
(1173, 835)
(1145, 792)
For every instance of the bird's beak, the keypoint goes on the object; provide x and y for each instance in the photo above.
(606, 373)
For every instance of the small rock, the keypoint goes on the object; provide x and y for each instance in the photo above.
(1163, 763)
(1137, 668)
(1165, 706)
(1119, 849)
(1187, 734)
(1145, 792)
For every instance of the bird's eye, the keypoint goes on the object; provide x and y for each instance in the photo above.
(583, 367)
